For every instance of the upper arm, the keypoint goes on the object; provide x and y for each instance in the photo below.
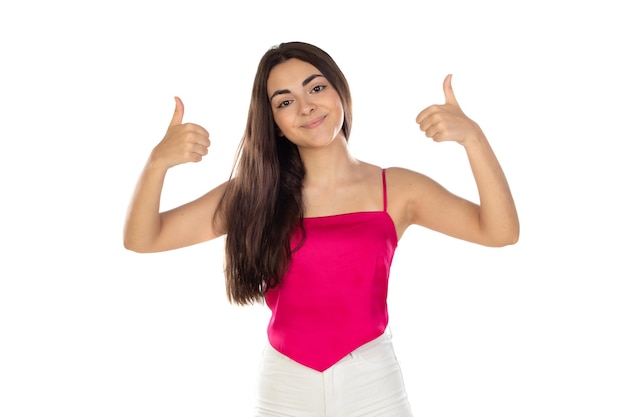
(192, 222)
(416, 199)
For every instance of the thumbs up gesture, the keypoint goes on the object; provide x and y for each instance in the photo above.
(447, 122)
(183, 142)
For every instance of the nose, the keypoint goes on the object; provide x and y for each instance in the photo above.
(307, 106)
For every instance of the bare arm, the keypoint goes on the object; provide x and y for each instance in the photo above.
(493, 222)
(146, 228)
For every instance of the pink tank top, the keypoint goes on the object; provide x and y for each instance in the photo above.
(333, 298)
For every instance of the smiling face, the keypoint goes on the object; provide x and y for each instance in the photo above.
(306, 108)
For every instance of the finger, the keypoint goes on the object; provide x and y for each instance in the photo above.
(200, 150)
(202, 140)
(448, 92)
(425, 124)
(424, 114)
(199, 130)
(177, 118)
(433, 131)
(197, 153)
(196, 134)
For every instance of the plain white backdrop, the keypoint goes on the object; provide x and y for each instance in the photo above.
(86, 90)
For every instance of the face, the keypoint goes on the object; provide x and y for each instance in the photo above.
(306, 108)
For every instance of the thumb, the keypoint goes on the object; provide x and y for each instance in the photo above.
(177, 118)
(448, 92)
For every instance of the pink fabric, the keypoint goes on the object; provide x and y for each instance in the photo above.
(333, 298)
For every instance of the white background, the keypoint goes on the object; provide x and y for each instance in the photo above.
(86, 90)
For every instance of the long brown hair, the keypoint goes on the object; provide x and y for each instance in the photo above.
(262, 204)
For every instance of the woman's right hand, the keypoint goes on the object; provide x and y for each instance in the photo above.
(147, 229)
(183, 142)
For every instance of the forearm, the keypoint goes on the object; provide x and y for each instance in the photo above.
(498, 219)
(143, 219)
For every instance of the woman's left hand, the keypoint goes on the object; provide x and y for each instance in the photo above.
(447, 122)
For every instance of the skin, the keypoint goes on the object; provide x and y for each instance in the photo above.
(308, 112)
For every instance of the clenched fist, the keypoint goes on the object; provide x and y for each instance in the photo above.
(183, 142)
(447, 122)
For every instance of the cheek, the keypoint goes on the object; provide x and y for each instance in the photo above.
(281, 126)
(339, 106)
(340, 113)
(283, 119)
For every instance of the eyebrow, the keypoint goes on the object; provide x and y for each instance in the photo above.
(306, 81)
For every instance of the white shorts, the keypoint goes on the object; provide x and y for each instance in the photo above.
(367, 382)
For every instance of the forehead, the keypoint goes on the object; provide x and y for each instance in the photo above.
(289, 75)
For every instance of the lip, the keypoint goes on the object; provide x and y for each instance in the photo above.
(314, 123)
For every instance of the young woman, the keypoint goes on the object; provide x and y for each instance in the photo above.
(311, 231)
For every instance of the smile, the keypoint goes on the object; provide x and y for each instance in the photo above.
(314, 123)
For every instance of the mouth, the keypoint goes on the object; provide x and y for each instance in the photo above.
(314, 123)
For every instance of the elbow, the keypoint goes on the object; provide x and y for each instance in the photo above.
(129, 245)
(136, 241)
(137, 249)
(135, 246)
(508, 238)
(513, 236)
(504, 234)
(507, 242)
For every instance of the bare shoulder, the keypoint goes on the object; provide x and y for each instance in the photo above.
(367, 175)
(416, 199)
(367, 169)
(406, 189)
(403, 183)
(400, 176)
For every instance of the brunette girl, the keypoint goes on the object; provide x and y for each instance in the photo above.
(311, 231)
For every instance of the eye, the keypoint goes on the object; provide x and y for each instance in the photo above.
(318, 88)
(284, 103)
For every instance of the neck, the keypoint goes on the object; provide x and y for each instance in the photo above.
(329, 165)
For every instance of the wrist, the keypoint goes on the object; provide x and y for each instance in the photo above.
(474, 137)
(156, 164)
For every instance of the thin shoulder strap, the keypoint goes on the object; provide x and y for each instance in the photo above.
(384, 190)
